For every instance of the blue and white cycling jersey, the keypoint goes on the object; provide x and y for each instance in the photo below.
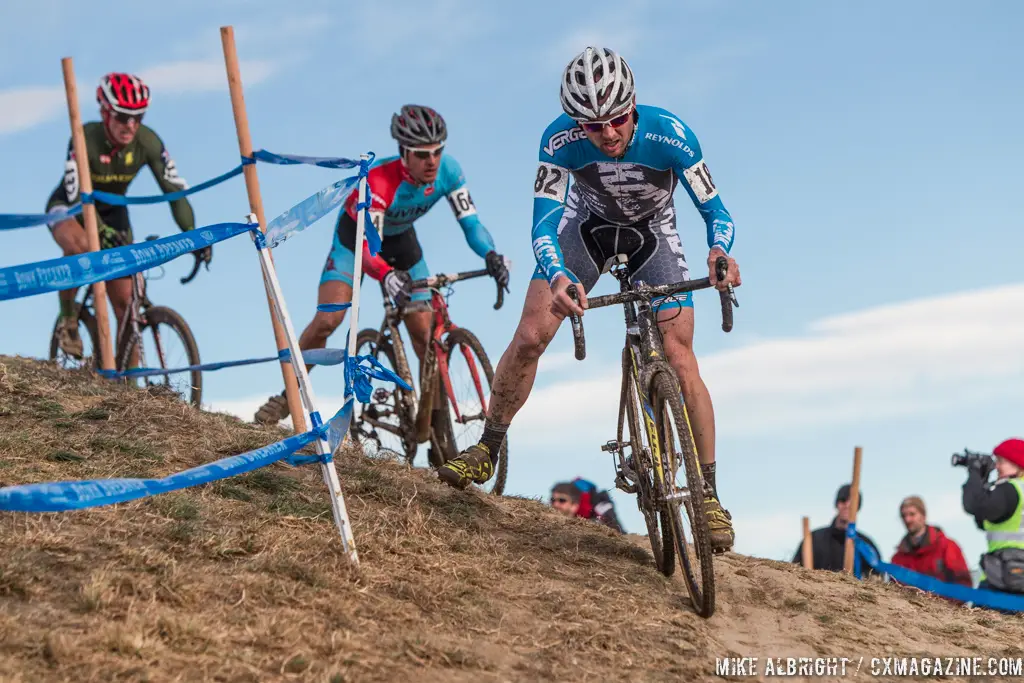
(622, 191)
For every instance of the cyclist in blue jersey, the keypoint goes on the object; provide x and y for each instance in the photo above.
(624, 160)
(402, 189)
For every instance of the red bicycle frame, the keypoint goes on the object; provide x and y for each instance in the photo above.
(442, 325)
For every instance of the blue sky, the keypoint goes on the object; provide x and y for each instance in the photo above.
(869, 154)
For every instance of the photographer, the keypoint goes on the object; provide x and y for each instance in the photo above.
(997, 509)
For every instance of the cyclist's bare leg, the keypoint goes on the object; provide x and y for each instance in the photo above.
(314, 336)
(70, 237)
(323, 325)
(677, 333)
(517, 369)
(418, 325)
(513, 381)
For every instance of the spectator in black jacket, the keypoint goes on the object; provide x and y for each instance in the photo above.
(998, 508)
(828, 544)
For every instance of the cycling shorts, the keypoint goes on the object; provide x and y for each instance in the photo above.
(590, 242)
(401, 251)
(112, 224)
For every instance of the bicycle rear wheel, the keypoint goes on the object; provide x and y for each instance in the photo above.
(465, 382)
(89, 334)
(384, 423)
(659, 530)
(167, 342)
(677, 449)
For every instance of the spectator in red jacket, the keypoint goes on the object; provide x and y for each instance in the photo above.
(926, 550)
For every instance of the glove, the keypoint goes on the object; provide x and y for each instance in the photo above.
(497, 268)
(983, 466)
(398, 286)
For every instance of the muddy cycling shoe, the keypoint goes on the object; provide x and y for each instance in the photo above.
(273, 411)
(719, 524)
(68, 339)
(473, 466)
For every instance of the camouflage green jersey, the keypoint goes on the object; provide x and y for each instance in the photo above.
(113, 169)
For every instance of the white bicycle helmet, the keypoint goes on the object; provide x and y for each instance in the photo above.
(597, 84)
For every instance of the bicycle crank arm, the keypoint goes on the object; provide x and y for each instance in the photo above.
(467, 418)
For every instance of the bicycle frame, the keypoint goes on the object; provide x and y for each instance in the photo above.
(436, 352)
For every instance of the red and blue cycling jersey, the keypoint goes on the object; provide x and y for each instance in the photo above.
(396, 202)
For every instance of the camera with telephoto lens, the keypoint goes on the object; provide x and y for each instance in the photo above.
(982, 461)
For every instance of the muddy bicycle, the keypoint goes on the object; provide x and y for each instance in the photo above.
(151, 336)
(450, 410)
(653, 425)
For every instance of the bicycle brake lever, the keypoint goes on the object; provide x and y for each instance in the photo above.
(501, 296)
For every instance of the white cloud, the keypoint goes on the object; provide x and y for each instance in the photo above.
(204, 75)
(904, 359)
(24, 108)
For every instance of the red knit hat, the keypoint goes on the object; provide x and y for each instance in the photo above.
(1012, 450)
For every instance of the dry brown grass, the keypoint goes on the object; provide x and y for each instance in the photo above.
(244, 579)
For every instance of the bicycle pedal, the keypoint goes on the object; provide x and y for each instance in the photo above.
(613, 446)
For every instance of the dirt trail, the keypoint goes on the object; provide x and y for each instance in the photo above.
(244, 580)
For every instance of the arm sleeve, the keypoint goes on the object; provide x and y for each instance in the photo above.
(477, 236)
(375, 266)
(956, 565)
(550, 188)
(689, 164)
(166, 174)
(67, 191)
(994, 504)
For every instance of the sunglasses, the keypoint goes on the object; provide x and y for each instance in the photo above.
(426, 153)
(598, 126)
(127, 118)
(560, 500)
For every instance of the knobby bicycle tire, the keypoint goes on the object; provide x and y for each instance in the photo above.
(463, 337)
(662, 545)
(404, 400)
(665, 397)
(86, 319)
(161, 315)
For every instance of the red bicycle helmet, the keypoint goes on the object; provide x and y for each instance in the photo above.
(123, 93)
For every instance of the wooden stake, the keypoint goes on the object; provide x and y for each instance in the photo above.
(848, 553)
(252, 186)
(808, 551)
(99, 289)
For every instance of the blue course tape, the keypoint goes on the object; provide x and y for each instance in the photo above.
(955, 591)
(332, 308)
(75, 495)
(121, 200)
(97, 266)
(309, 357)
(14, 221)
(309, 211)
(323, 162)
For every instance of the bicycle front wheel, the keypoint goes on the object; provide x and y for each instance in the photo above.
(385, 423)
(642, 432)
(465, 382)
(167, 343)
(683, 502)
